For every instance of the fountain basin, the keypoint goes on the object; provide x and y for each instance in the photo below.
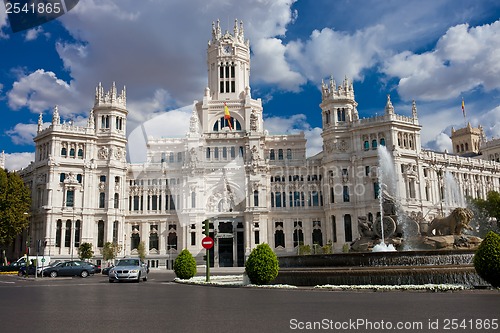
(382, 268)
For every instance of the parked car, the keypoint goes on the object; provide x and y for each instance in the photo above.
(69, 268)
(129, 269)
(97, 269)
(105, 271)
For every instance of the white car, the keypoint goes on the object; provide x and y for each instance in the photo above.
(129, 269)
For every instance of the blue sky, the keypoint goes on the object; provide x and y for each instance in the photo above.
(434, 52)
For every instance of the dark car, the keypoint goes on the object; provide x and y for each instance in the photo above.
(105, 271)
(69, 268)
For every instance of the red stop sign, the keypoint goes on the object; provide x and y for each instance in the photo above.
(207, 242)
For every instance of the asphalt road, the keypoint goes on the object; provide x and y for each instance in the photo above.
(160, 305)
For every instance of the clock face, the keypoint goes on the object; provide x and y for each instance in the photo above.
(227, 49)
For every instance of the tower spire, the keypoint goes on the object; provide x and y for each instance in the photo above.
(56, 120)
(389, 109)
(40, 123)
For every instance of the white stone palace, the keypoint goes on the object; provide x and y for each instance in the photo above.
(253, 187)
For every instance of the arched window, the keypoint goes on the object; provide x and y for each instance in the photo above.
(72, 152)
(172, 241)
(64, 151)
(58, 233)
(374, 144)
(382, 142)
(80, 153)
(135, 238)
(366, 145)
(256, 198)
(298, 237)
(279, 238)
(466, 146)
(288, 154)
(77, 233)
(153, 237)
(224, 123)
(117, 200)
(280, 154)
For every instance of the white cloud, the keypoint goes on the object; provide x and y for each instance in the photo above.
(33, 34)
(3, 23)
(18, 161)
(332, 52)
(23, 134)
(463, 59)
(491, 122)
(42, 90)
(272, 67)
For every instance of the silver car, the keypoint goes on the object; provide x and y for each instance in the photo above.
(129, 269)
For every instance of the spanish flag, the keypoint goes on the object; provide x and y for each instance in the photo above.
(227, 116)
(463, 107)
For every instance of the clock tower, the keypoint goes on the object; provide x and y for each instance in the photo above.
(228, 62)
(228, 89)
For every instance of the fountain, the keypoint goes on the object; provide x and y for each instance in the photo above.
(376, 260)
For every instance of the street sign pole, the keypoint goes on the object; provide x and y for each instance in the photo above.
(207, 251)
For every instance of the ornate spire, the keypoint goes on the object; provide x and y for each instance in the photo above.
(389, 109)
(40, 123)
(56, 120)
(414, 109)
(241, 35)
(111, 97)
(236, 29)
(90, 122)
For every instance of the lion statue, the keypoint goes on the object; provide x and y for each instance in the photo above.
(453, 224)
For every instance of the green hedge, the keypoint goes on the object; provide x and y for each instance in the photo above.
(185, 265)
(487, 259)
(262, 265)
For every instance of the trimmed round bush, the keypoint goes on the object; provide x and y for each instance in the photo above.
(487, 259)
(185, 265)
(262, 265)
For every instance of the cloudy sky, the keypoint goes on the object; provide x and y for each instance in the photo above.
(435, 52)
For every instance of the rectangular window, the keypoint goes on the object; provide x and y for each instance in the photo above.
(136, 202)
(233, 86)
(70, 198)
(193, 238)
(346, 194)
(154, 202)
(77, 233)
(67, 236)
(102, 200)
(115, 232)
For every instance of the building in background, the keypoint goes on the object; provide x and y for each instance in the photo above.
(253, 187)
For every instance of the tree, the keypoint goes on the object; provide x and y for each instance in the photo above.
(141, 250)
(110, 251)
(262, 265)
(485, 212)
(185, 265)
(15, 203)
(487, 259)
(85, 251)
